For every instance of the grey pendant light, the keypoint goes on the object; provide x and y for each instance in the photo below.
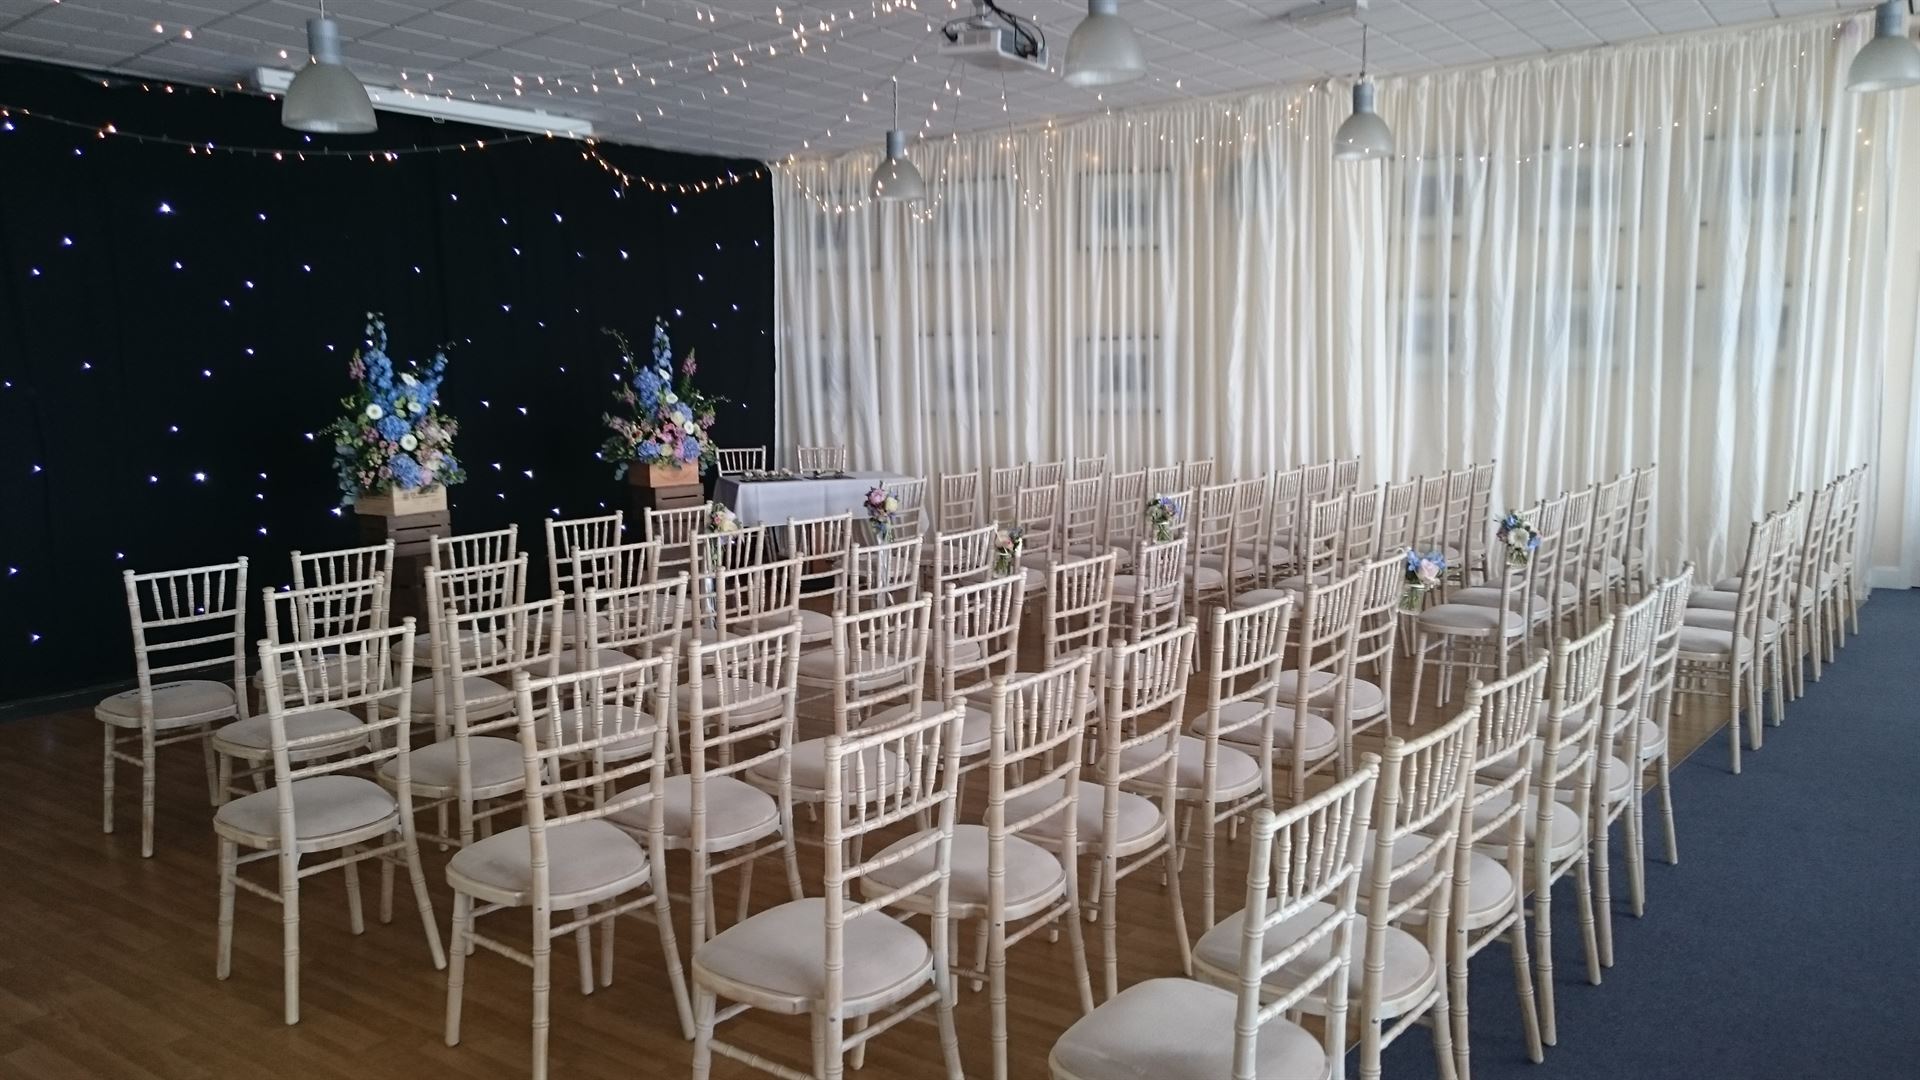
(895, 179)
(324, 97)
(1364, 136)
(1103, 50)
(1891, 60)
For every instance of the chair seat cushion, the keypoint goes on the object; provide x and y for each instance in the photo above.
(810, 769)
(1235, 771)
(1320, 738)
(1567, 833)
(1253, 598)
(1242, 563)
(182, 703)
(323, 806)
(1036, 579)
(1716, 619)
(760, 701)
(815, 626)
(253, 737)
(737, 813)
(1138, 817)
(1205, 577)
(1489, 596)
(584, 858)
(781, 952)
(1364, 700)
(1469, 619)
(577, 660)
(636, 727)
(1178, 1029)
(469, 643)
(495, 765)
(1032, 873)
(976, 725)
(486, 699)
(1276, 554)
(1489, 886)
(1126, 586)
(1409, 970)
(817, 666)
(1705, 643)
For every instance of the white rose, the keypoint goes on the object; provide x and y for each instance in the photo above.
(670, 398)
(408, 380)
(408, 442)
(375, 412)
(892, 504)
(1518, 537)
(416, 408)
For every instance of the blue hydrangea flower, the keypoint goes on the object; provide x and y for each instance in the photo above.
(391, 427)
(407, 472)
(689, 449)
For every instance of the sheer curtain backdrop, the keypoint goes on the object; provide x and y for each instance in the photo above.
(1668, 252)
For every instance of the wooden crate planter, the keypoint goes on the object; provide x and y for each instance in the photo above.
(410, 519)
(649, 490)
(664, 476)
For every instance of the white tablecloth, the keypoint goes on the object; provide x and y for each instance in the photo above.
(772, 502)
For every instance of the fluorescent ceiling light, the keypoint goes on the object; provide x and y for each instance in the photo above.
(389, 99)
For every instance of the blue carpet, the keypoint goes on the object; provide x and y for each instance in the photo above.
(1786, 943)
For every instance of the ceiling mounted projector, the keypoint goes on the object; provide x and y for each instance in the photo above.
(995, 38)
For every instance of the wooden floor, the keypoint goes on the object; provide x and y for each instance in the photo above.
(107, 959)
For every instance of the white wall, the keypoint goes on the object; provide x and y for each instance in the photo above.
(1895, 557)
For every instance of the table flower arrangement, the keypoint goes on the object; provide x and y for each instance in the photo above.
(1424, 573)
(662, 422)
(1007, 545)
(393, 438)
(720, 519)
(1518, 536)
(883, 511)
(1161, 513)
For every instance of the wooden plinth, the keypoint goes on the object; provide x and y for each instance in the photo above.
(412, 536)
(646, 494)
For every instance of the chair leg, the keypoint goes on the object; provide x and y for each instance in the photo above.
(542, 989)
(1456, 1018)
(1076, 938)
(1666, 808)
(457, 971)
(1207, 827)
(1523, 985)
(583, 944)
(833, 1046)
(356, 921)
(106, 779)
(607, 927)
(422, 899)
(223, 955)
(1598, 857)
(1543, 957)
(1419, 665)
(1443, 1054)
(1636, 851)
(698, 931)
(703, 1005)
(1733, 721)
(1583, 884)
(1370, 1048)
(148, 774)
(215, 793)
(1179, 916)
(1110, 927)
(386, 891)
(997, 996)
(290, 934)
(982, 944)
(746, 891)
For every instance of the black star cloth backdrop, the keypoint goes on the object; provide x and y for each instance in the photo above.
(175, 329)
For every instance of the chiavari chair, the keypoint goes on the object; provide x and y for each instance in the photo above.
(960, 558)
(1487, 634)
(320, 807)
(566, 538)
(469, 765)
(884, 574)
(1618, 762)
(296, 615)
(569, 855)
(1151, 598)
(1087, 467)
(1004, 871)
(819, 459)
(344, 566)
(1556, 833)
(1046, 473)
(1249, 520)
(1346, 474)
(1656, 732)
(732, 461)
(1038, 514)
(1726, 663)
(1316, 547)
(1407, 867)
(1639, 524)
(830, 957)
(1398, 502)
(1275, 550)
(1197, 474)
(674, 531)
(1126, 494)
(1165, 480)
(1227, 780)
(473, 549)
(1003, 492)
(959, 501)
(1210, 547)
(1303, 873)
(824, 547)
(1081, 513)
(1479, 512)
(185, 623)
(1430, 513)
(911, 518)
(738, 715)
(977, 644)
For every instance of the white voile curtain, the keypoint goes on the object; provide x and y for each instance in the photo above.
(1669, 252)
